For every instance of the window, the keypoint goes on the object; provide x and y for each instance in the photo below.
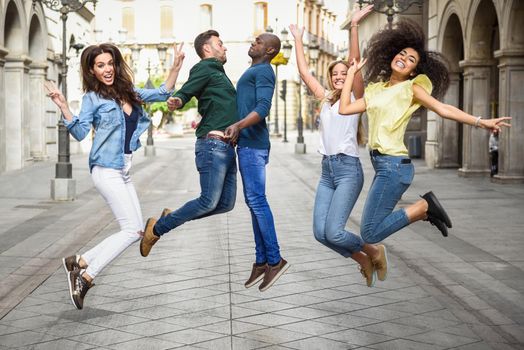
(206, 17)
(128, 21)
(166, 21)
(260, 17)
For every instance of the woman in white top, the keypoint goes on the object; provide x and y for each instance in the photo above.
(342, 178)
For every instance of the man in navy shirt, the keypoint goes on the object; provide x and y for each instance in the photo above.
(254, 93)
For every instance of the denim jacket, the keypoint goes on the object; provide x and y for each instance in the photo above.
(107, 117)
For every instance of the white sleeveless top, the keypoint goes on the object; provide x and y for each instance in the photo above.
(338, 133)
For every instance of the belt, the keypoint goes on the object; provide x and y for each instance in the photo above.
(376, 153)
(217, 137)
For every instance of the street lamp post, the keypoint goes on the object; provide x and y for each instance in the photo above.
(286, 50)
(63, 185)
(313, 49)
(390, 7)
(149, 150)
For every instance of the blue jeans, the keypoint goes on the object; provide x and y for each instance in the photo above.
(338, 190)
(216, 163)
(392, 179)
(252, 163)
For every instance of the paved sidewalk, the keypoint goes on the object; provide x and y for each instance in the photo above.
(462, 292)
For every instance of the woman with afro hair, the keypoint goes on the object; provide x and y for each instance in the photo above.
(402, 76)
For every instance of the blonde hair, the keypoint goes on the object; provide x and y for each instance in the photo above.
(334, 96)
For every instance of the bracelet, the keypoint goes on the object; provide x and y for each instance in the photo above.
(477, 122)
(353, 25)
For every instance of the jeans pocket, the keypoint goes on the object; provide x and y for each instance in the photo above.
(406, 173)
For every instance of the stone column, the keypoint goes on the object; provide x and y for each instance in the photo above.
(3, 136)
(475, 151)
(37, 115)
(17, 134)
(511, 103)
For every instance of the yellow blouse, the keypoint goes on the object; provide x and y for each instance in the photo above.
(389, 109)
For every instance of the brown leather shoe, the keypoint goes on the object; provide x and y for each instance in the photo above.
(272, 274)
(165, 212)
(381, 263)
(78, 288)
(71, 263)
(368, 271)
(149, 239)
(257, 273)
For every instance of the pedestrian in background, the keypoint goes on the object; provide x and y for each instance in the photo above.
(404, 76)
(494, 152)
(113, 106)
(341, 177)
(255, 90)
(214, 153)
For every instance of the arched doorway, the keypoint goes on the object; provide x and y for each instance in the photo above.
(481, 85)
(450, 132)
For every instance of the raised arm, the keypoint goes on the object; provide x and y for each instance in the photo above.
(178, 59)
(354, 50)
(453, 113)
(346, 107)
(318, 90)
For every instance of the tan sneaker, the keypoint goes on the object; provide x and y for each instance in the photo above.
(165, 212)
(369, 273)
(78, 288)
(381, 263)
(257, 273)
(272, 274)
(149, 239)
(71, 263)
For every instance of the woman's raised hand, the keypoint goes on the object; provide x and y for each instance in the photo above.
(356, 65)
(54, 93)
(179, 56)
(296, 32)
(361, 14)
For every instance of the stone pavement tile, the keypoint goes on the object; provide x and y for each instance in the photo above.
(115, 320)
(25, 338)
(405, 344)
(416, 306)
(58, 344)
(269, 319)
(239, 327)
(193, 319)
(195, 305)
(347, 320)
(316, 343)
(313, 327)
(328, 294)
(356, 337)
(214, 344)
(246, 344)
(369, 300)
(219, 299)
(305, 313)
(300, 299)
(517, 331)
(464, 330)
(68, 329)
(104, 338)
(338, 306)
(33, 322)
(266, 305)
(442, 339)
(124, 305)
(379, 313)
(241, 311)
(156, 312)
(8, 329)
(425, 321)
(393, 329)
(190, 336)
(151, 328)
(487, 346)
(223, 327)
(495, 317)
(17, 314)
(146, 343)
(274, 335)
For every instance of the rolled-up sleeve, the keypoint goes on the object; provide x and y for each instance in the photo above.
(80, 125)
(265, 87)
(159, 94)
(198, 79)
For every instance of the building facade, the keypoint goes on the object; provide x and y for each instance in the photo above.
(485, 49)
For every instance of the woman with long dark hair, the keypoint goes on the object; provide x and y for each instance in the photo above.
(403, 76)
(113, 106)
(341, 177)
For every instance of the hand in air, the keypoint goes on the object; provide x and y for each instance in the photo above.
(54, 93)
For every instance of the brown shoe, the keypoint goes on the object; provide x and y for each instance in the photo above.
(149, 239)
(272, 274)
(257, 273)
(165, 212)
(78, 288)
(368, 271)
(381, 263)
(71, 263)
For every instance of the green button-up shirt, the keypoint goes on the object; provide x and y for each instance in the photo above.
(216, 95)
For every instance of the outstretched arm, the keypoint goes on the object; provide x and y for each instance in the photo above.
(453, 113)
(347, 107)
(354, 50)
(318, 90)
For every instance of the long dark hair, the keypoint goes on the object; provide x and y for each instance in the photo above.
(334, 96)
(385, 44)
(122, 89)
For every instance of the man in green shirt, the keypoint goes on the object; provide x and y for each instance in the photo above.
(215, 154)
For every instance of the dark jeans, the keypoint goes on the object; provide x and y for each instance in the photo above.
(216, 163)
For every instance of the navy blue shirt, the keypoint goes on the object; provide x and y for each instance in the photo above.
(131, 123)
(254, 93)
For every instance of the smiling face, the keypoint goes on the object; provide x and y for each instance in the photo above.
(405, 62)
(104, 69)
(338, 75)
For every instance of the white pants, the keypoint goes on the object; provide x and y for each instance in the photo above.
(117, 189)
